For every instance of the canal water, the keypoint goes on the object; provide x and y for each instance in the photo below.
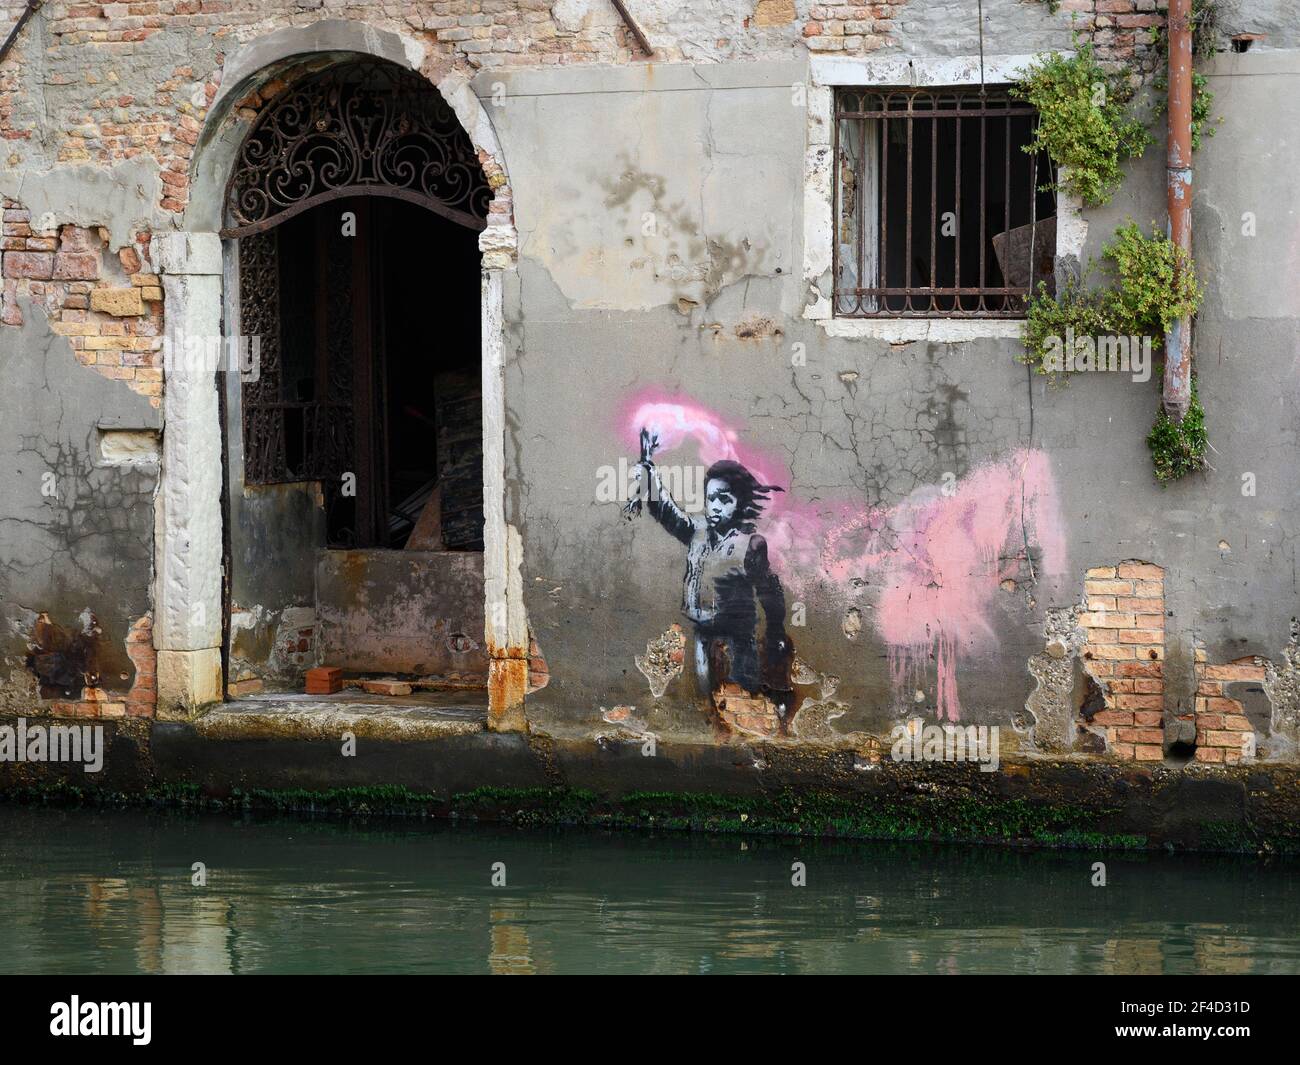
(113, 892)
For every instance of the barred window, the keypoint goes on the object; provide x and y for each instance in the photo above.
(939, 210)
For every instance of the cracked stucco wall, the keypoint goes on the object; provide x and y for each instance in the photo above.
(660, 216)
(605, 308)
(76, 515)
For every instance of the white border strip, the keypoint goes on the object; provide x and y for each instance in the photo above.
(960, 70)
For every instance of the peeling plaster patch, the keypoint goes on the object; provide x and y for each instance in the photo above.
(851, 625)
(270, 644)
(1051, 709)
(1282, 685)
(1100, 677)
(539, 673)
(628, 725)
(123, 199)
(129, 447)
(20, 694)
(663, 659)
(814, 717)
(66, 660)
(571, 16)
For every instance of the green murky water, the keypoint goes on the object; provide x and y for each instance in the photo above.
(111, 892)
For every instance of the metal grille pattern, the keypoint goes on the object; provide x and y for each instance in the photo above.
(937, 205)
(259, 289)
(367, 128)
(292, 434)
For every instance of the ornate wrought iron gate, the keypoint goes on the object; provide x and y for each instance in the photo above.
(314, 411)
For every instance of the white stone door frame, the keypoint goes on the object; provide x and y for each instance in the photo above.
(188, 512)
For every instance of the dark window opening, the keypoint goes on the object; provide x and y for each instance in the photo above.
(939, 210)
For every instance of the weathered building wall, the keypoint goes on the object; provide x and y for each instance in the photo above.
(662, 238)
(945, 524)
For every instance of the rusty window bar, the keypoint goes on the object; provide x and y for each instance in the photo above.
(868, 123)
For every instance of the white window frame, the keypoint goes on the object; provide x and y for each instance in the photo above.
(830, 72)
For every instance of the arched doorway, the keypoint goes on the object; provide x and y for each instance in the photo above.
(354, 532)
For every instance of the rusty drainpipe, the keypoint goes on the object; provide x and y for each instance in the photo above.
(1178, 341)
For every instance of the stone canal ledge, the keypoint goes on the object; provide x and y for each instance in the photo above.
(363, 760)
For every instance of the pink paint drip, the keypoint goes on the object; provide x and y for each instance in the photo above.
(937, 559)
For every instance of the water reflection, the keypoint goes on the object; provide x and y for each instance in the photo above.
(111, 892)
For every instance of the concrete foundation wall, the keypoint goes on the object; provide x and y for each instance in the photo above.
(415, 613)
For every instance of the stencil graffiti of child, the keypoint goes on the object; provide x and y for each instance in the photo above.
(728, 577)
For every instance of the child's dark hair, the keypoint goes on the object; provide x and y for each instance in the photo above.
(751, 496)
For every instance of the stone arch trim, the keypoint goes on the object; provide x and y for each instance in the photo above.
(365, 128)
(198, 274)
(259, 62)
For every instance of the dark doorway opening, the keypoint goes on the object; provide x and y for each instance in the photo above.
(372, 387)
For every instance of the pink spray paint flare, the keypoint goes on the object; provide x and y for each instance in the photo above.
(676, 423)
(935, 560)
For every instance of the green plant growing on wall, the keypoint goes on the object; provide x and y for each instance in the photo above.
(1155, 282)
(1073, 311)
(1202, 105)
(1146, 292)
(1085, 121)
(1179, 448)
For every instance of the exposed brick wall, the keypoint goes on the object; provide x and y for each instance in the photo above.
(107, 306)
(103, 96)
(1124, 652)
(1121, 30)
(1224, 735)
(740, 712)
(849, 28)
